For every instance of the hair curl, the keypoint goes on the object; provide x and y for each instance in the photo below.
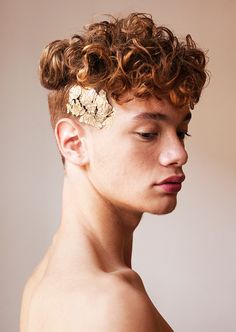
(130, 53)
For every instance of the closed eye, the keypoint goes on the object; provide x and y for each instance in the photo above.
(150, 136)
(147, 136)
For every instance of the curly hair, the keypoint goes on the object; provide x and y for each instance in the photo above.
(121, 55)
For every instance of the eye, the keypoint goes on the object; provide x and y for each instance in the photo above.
(183, 134)
(147, 136)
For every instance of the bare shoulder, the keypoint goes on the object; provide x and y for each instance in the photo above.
(28, 292)
(125, 308)
(105, 302)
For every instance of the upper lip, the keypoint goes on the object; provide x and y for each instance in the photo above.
(173, 179)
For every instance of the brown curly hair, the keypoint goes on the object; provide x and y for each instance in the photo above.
(121, 55)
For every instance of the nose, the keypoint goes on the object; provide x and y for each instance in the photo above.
(173, 152)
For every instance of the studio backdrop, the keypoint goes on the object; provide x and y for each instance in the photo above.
(187, 258)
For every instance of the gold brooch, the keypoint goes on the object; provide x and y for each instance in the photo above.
(92, 108)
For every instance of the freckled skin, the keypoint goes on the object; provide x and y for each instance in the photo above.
(108, 185)
(124, 161)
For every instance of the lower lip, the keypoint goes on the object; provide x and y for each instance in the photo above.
(170, 188)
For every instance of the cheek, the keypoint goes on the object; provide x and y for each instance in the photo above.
(123, 168)
(111, 163)
(142, 163)
(124, 175)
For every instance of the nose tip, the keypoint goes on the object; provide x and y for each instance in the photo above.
(175, 155)
(185, 157)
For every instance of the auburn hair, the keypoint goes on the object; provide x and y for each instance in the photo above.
(120, 55)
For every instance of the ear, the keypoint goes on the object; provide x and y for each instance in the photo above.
(70, 140)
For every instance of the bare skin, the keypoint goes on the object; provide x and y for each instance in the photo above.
(86, 282)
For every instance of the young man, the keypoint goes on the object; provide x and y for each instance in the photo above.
(120, 106)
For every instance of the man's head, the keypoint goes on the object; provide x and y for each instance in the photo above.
(142, 68)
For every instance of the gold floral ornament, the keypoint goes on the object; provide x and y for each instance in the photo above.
(92, 108)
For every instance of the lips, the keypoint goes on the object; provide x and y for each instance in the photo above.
(173, 179)
(171, 184)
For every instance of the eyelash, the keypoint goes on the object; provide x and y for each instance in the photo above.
(180, 133)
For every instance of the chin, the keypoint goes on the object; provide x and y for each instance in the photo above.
(163, 207)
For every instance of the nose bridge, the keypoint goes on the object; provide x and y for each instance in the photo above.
(173, 151)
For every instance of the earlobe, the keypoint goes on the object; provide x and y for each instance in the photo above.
(70, 141)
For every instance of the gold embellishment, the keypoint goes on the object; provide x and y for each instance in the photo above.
(91, 107)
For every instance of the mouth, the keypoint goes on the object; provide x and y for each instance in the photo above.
(172, 184)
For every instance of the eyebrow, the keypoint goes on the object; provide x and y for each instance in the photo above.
(158, 117)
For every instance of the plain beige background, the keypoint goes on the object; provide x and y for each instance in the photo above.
(187, 258)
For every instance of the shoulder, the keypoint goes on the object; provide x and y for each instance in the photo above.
(123, 308)
(28, 291)
(108, 302)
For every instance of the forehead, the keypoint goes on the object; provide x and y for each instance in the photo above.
(151, 110)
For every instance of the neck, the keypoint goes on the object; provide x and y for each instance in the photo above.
(101, 229)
